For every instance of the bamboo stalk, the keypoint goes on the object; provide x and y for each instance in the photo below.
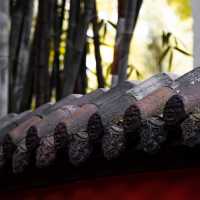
(42, 78)
(58, 25)
(81, 81)
(120, 25)
(28, 89)
(127, 16)
(73, 60)
(4, 56)
(99, 67)
(132, 11)
(19, 48)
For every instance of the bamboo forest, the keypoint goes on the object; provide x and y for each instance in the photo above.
(50, 49)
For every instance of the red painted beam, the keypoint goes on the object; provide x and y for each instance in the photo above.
(167, 185)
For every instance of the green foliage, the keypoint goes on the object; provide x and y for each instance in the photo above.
(133, 69)
(171, 45)
(182, 7)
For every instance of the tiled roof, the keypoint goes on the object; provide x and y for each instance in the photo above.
(151, 125)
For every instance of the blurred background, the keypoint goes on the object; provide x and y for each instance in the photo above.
(52, 48)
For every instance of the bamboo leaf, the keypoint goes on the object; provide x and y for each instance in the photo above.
(175, 40)
(90, 71)
(112, 24)
(170, 61)
(101, 24)
(163, 39)
(138, 74)
(182, 51)
(168, 36)
(164, 54)
(105, 44)
(105, 31)
(108, 71)
(131, 68)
